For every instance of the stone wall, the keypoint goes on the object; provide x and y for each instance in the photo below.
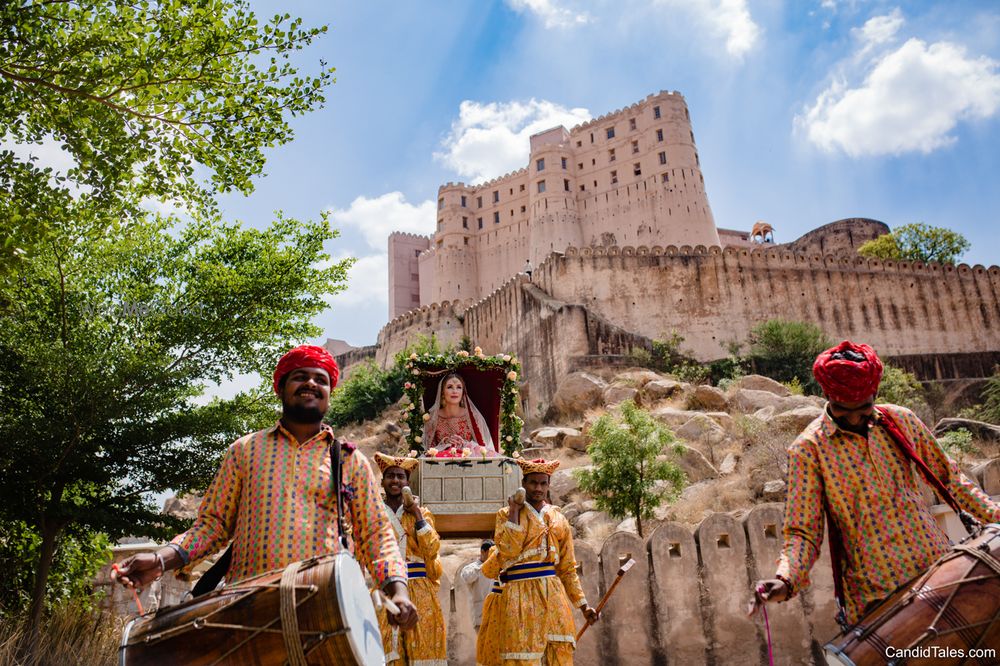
(441, 319)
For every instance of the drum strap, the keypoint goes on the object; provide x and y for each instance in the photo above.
(290, 617)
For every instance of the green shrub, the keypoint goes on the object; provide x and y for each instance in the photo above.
(785, 350)
(900, 387)
(957, 443)
(794, 386)
(666, 356)
(627, 465)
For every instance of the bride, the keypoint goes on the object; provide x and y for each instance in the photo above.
(455, 423)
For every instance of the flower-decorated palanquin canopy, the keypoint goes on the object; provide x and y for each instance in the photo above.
(490, 382)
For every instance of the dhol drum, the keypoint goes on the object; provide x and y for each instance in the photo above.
(948, 615)
(317, 611)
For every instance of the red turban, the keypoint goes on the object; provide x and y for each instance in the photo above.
(848, 373)
(306, 356)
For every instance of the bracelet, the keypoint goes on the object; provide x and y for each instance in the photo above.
(788, 584)
(163, 566)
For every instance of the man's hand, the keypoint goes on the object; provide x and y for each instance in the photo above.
(771, 589)
(399, 595)
(139, 570)
(414, 509)
(513, 510)
(590, 614)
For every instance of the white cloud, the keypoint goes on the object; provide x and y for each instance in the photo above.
(550, 11)
(878, 30)
(367, 282)
(910, 100)
(489, 140)
(377, 218)
(729, 20)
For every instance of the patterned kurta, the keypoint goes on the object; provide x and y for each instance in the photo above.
(491, 625)
(537, 612)
(274, 498)
(889, 535)
(426, 644)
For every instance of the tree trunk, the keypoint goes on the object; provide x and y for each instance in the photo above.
(50, 533)
(638, 518)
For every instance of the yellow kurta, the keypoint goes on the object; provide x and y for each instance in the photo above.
(491, 625)
(538, 617)
(426, 644)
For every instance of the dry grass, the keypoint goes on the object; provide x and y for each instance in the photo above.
(73, 634)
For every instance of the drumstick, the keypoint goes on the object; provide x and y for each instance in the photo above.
(607, 595)
(380, 599)
(135, 595)
(519, 496)
(407, 496)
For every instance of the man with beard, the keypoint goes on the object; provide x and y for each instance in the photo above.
(849, 468)
(535, 544)
(273, 496)
(419, 543)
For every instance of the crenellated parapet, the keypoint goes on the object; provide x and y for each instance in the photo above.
(631, 108)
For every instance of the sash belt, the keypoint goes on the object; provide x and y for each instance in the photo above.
(416, 570)
(528, 571)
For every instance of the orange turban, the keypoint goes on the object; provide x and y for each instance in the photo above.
(538, 466)
(385, 462)
(306, 356)
(849, 372)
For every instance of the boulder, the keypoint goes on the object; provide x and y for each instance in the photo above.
(577, 393)
(796, 419)
(595, 525)
(761, 383)
(764, 414)
(706, 398)
(185, 507)
(577, 442)
(616, 394)
(724, 419)
(570, 511)
(628, 525)
(981, 430)
(695, 465)
(774, 491)
(552, 437)
(749, 401)
(659, 389)
(562, 484)
(392, 430)
(636, 378)
(701, 428)
(673, 418)
(728, 465)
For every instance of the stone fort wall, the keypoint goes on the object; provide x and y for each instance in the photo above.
(942, 322)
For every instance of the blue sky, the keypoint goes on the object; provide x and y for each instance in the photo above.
(804, 112)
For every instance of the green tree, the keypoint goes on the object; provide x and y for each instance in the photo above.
(628, 465)
(785, 350)
(151, 99)
(106, 348)
(900, 387)
(917, 242)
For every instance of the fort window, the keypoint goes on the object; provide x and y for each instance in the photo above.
(637, 168)
(463, 201)
(524, 208)
(566, 184)
(496, 217)
(496, 196)
(664, 177)
(579, 165)
(579, 144)
(564, 163)
(465, 223)
(540, 164)
(479, 202)
(635, 146)
(611, 132)
(583, 188)
(631, 123)
(663, 157)
(480, 221)
(416, 253)
(659, 135)
(465, 241)
(440, 223)
(541, 186)
(593, 161)
(614, 177)
(522, 188)
(656, 112)
(592, 137)
(611, 155)
(440, 203)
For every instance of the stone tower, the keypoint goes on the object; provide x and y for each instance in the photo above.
(630, 177)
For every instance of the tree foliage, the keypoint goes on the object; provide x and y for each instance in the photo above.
(900, 387)
(628, 465)
(785, 350)
(106, 347)
(917, 242)
(151, 99)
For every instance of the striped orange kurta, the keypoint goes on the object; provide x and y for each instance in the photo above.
(491, 625)
(426, 644)
(274, 498)
(889, 534)
(538, 616)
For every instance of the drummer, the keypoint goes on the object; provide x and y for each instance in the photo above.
(847, 461)
(426, 644)
(272, 496)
